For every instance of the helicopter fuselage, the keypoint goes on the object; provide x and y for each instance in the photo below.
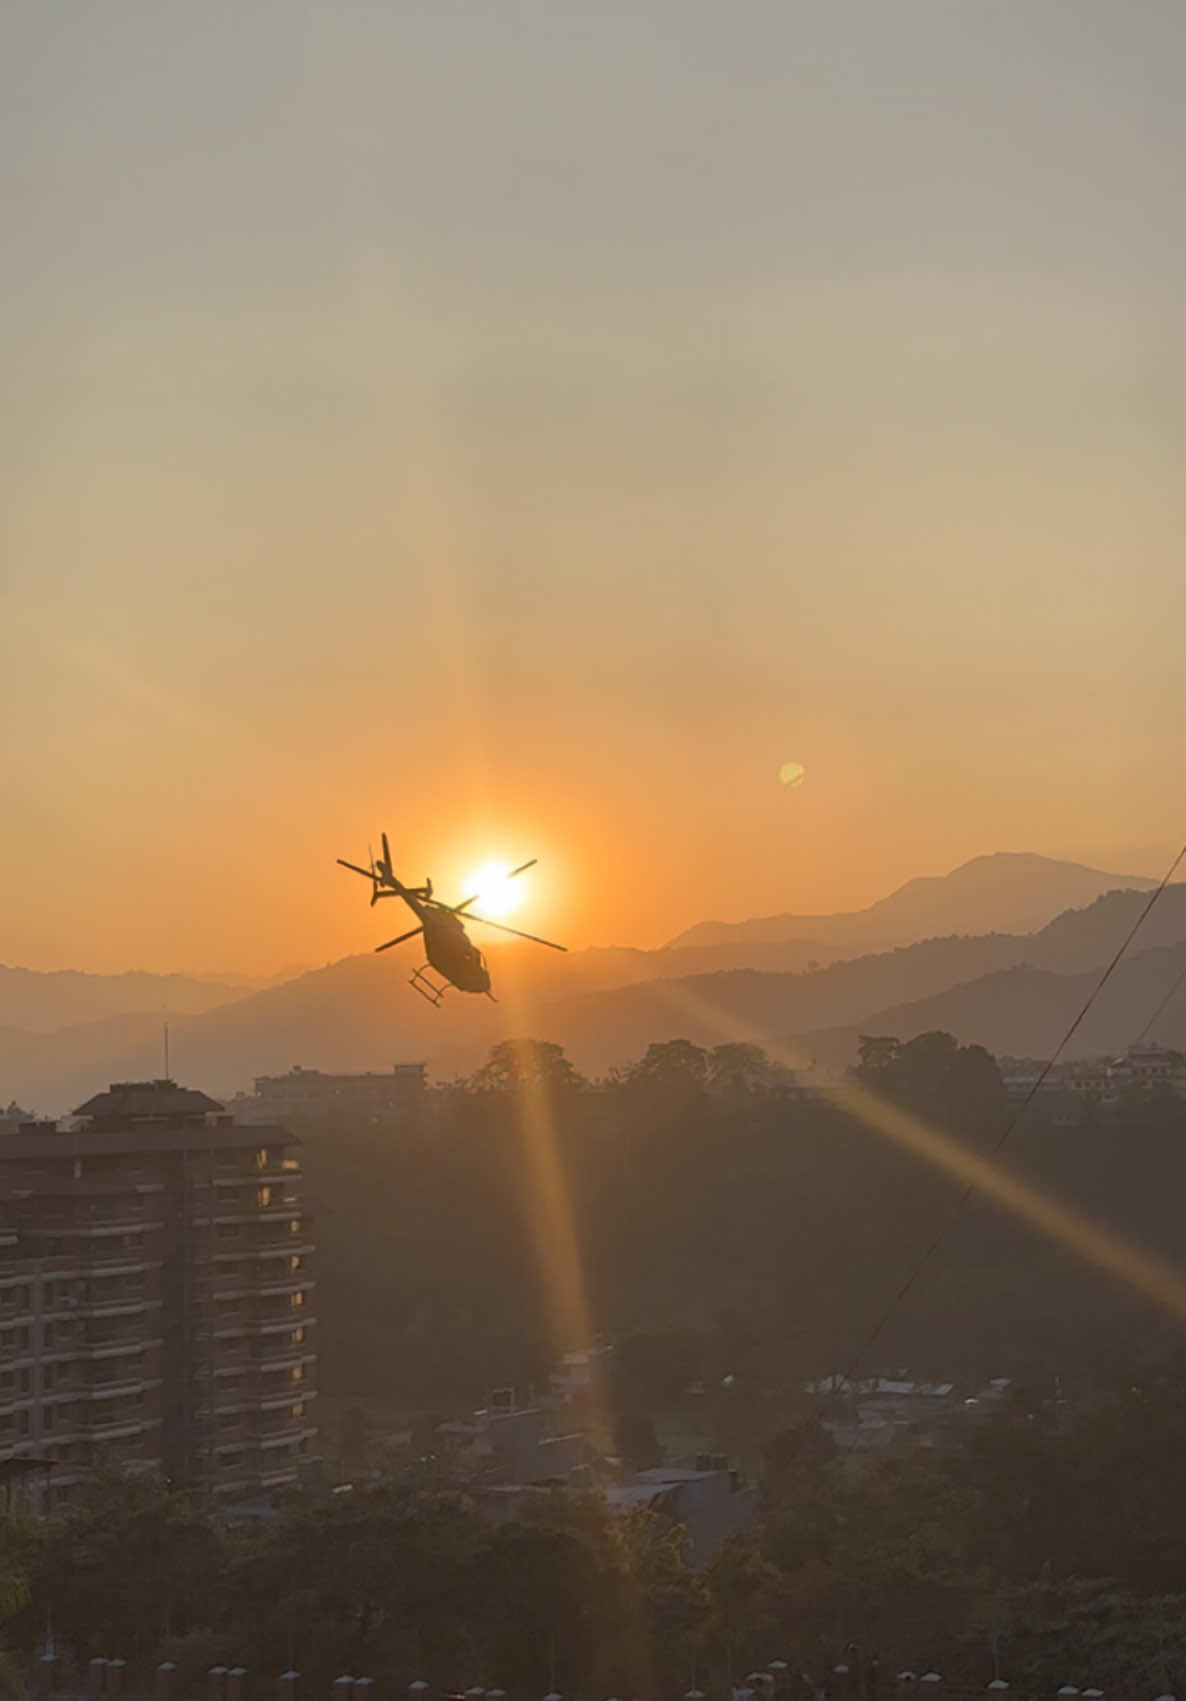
(453, 953)
(447, 946)
(449, 949)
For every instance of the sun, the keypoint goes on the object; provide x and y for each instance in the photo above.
(497, 896)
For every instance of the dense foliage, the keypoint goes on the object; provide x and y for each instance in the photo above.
(708, 1209)
(731, 1237)
(1045, 1539)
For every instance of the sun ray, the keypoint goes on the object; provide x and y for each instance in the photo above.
(561, 1265)
(1097, 1246)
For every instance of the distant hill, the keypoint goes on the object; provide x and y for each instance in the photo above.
(1008, 991)
(611, 1026)
(51, 1073)
(40, 1002)
(1024, 1011)
(1007, 892)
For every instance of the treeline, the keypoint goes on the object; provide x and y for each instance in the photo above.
(727, 1223)
(1044, 1542)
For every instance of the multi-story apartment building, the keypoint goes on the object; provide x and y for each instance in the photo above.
(155, 1297)
(396, 1097)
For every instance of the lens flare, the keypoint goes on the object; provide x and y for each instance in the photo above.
(1062, 1224)
(792, 774)
(497, 896)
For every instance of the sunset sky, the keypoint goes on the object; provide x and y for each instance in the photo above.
(527, 427)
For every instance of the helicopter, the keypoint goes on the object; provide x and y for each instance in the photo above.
(450, 952)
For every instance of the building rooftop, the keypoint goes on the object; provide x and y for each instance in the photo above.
(111, 1137)
(126, 1101)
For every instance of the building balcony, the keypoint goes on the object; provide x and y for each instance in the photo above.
(93, 1230)
(115, 1292)
(259, 1344)
(256, 1283)
(76, 1377)
(132, 1209)
(256, 1247)
(104, 1427)
(95, 1257)
(135, 1450)
(274, 1175)
(250, 1393)
(131, 1342)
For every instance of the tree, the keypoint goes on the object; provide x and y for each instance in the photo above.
(803, 1450)
(127, 1564)
(635, 1441)
(548, 1596)
(739, 1068)
(876, 1052)
(368, 1581)
(518, 1063)
(354, 1441)
(750, 1600)
(673, 1067)
(653, 1367)
(935, 1076)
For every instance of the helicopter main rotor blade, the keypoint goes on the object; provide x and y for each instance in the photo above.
(367, 873)
(522, 869)
(410, 935)
(519, 934)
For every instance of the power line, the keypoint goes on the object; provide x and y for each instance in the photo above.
(1165, 1001)
(1011, 1126)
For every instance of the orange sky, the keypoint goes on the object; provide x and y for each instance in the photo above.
(528, 430)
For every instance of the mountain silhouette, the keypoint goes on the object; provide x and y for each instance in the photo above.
(1005, 892)
(1007, 991)
(1025, 1011)
(39, 1001)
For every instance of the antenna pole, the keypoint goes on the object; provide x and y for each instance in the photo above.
(166, 1051)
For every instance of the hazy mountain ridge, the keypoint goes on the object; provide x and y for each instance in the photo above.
(39, 1001)
(51, 1072)
(1024, 1011)
(359, 1013)
(609, 1027)
(1001, 892)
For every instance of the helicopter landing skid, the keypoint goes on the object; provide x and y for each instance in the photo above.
(427, 985)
